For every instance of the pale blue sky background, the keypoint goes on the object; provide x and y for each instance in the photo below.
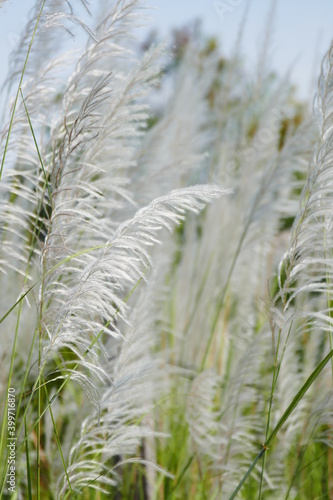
(302, 31)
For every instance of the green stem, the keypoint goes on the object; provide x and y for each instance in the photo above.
(57, 438)
(248, 472)
(28, 462)
(247, 225)
(37, 149)
(18, 89)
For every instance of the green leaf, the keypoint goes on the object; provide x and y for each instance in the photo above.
(299, 396)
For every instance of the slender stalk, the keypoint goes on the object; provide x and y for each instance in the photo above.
(40, 323)
(26, 373)
(28, 462)
(236, 255)
(220, 303)
(273, 386)
(19, 88)
(38, 424)
(57, 438)
(329, 302)
(37, 149)
(276, 372)
(248, 472)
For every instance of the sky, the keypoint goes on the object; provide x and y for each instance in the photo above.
(301, 32)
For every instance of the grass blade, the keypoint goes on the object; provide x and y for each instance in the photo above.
(299, 396)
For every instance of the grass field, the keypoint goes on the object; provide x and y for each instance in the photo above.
(166, 268)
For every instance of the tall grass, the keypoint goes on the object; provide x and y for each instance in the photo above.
(200, 367)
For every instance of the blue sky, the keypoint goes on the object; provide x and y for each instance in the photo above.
(302, 30)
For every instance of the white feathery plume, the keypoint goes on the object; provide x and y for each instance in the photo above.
(308, 264)
(111, 436)
(85, 309)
